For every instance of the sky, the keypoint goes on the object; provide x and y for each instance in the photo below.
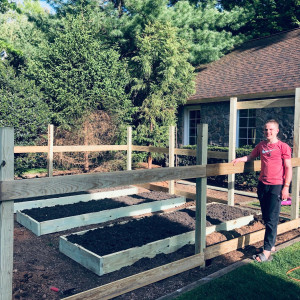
(46, 5)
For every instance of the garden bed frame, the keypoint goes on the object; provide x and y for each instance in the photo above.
(18, 206)
(11, 190)
(101, 265)
(56, 225)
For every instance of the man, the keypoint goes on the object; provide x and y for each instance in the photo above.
(273, 183)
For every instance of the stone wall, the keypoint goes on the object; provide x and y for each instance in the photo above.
(216, 115)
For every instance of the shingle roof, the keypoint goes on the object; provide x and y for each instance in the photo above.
(270, 64)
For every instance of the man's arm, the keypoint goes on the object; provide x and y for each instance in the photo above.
(287, 164)
(243, 159)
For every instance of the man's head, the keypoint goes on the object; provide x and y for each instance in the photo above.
(271, 130)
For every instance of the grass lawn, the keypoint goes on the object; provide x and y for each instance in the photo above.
(37, 170)
(256, 280)
(284, 208)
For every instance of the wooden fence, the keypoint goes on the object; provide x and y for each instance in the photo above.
(11, 190)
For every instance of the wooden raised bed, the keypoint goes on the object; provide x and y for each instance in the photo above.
(60, 224)
(62, 200)
(103, 264)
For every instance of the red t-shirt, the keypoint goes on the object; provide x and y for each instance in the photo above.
(272, 156)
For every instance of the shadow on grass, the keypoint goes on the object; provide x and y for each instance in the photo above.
(253, 281)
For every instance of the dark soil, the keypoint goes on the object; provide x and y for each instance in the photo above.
(137, 233)
(79, 208)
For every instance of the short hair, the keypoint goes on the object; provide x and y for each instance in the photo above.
(272, 121)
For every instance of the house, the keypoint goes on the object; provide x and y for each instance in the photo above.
(260, 69)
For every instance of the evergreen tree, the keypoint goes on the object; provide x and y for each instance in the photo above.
(79, 74)
(163, 80)
(266, 16)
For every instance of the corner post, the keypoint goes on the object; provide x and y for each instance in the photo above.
(171, 156)
(201, 185)
(129, 148)
(296, 153)
(232, 145)
(50, 149)
(6, 214)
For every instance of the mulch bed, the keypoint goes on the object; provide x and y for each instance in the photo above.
(79, 208)
(136, 233)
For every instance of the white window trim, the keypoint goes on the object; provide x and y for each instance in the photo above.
(186, 122)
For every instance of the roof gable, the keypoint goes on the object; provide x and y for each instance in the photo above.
(261, 66)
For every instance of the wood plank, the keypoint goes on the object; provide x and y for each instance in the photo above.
(232, 146)
(129, 148)
(267, 103)
(50, 150)
(150, 149)
(201, 183)
(30, 149)
(82, 197)
(171, 156)
(60, 224)
(6, 214)
(296, 154)
(122, 286)
(27, 188)
(229, 168)
(246, 240)
(89, 148)
(210, 154)
(78, 183)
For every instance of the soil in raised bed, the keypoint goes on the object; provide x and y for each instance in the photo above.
(142, 231)
(79, 208)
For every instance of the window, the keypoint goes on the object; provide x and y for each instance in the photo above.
(192, 117)
(247, 127)
(194, 120)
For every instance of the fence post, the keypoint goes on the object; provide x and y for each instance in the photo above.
(129, 148)
(201, 185)
(231, 150)
(296, 153)
(171, 156)
(6, 214)
(50, 150)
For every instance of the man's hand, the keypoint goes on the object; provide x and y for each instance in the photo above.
(285, 193)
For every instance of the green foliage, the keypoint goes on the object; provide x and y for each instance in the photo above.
(79, 74)
(266, 16)
(162, 79)
(22, 106)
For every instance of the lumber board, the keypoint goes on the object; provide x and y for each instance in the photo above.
(179, 192)
(129, 148)
(201, 189)
(232, 146)
(122, 286)
(6, 214)
(84, 197)
(28, 188)
(268, 103)
(296, 154)
(246, 240)
(171, 156)
(30, 149)
(117, 260)
(60, 224)
(50, 150)
(150, 149)
(89, 148)
(229, 168)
